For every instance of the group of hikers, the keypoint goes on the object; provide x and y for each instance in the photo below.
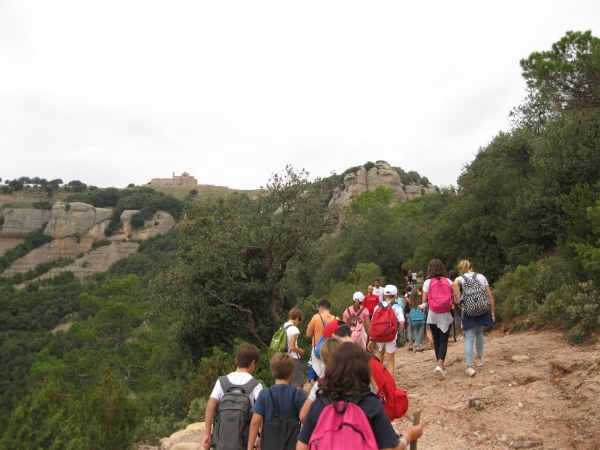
(354, 397)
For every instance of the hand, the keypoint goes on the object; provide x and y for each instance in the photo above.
(207, 441)
(370, 346)
(493, 317)
(413, 432)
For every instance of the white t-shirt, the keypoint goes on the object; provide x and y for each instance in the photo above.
(238, 378)
(479, 277)
(290, 332)
(397, 310)
(378, 291)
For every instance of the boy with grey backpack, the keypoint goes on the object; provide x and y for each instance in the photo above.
(231, 402)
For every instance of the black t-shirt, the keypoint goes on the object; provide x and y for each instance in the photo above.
(371, 405)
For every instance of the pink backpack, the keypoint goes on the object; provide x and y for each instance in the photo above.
(440, 296)
(343, 425)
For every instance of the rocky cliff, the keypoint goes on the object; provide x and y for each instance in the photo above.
(382, 174)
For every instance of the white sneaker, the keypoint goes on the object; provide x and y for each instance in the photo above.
(479, 362)
(440, 373)
(470, 372)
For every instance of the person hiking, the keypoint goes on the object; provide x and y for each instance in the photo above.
(437, 293)
(277, 409)
(377, 289)
(295, 317)
(346, 384)
(371, 301)
(357, 318)
(229, 433)
(384, 318)
(417, 322)
(473, 285)
(456, 312)
(315, 330)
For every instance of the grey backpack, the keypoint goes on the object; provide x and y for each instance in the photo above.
(232, 418)
(474, 296)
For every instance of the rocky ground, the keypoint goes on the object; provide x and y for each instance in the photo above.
(534, 391)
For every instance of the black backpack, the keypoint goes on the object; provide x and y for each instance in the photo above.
(232, 419)
(281, 431)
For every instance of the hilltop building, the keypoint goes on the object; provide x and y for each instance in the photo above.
(184, 180)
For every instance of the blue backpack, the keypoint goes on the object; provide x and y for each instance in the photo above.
(417, 318)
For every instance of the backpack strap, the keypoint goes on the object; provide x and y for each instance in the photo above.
(360, 311)
(349, 313)
(226, 385)
(286, 326)
(322, 321)
(274, 402)
(247, 388)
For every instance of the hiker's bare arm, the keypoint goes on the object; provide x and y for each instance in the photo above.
(209, 415)
(301, 446)
(424, 297)
(293, 347)
(304, 410)
(367, 325)
(309, 331)
(255, 425)
(412, 432)
(489, 292)
(401, 328)
(456, 289)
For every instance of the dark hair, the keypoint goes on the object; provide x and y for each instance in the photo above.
(343, 330)
(436, 269)
(295, 313)
(245, 354)
(282, 365)
(347, 372)
(414, 300)
(325, 304)
(409, 288)
(452, 274)
(377, 279)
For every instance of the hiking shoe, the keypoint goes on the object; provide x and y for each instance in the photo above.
(409, 349)
(470, 372)
(479, 362)
(440, 373)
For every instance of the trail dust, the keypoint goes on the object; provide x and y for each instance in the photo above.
(534, 390)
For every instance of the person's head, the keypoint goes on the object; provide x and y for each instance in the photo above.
(452, 274)
(295, 315)
(358, 298)
(327, 349)
(414, 300)
(465, 266)
(401, 292)
(337, 328)
(324, 306)
(347, 371)
(282, 366)
(409, 288)
(436, 269)
(246, 355)
(390, 292)
(377, 282)
(369, 290)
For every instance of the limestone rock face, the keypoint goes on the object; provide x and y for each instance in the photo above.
(381, 175)
(79, 219)
(159, 223)
(23, 222)
(416, 190)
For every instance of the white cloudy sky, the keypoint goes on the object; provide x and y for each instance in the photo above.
(114, 92)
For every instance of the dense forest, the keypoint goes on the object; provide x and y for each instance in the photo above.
(149, 337)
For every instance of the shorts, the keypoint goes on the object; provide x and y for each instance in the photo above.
(297, 375)
(390, 347)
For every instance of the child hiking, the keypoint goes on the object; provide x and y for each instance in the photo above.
(417, 322)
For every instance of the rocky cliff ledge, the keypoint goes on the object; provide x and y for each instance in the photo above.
(355, 183)
(78, 220)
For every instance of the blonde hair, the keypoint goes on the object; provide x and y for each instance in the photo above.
(282, 365)
(328, 347)
(465, 266)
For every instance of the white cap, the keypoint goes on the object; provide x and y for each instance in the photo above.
(390, 289)
(358, 296)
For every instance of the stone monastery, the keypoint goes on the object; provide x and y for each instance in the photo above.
(184, 180)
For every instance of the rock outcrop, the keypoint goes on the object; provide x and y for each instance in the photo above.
(78, 220)
(159, 223)
(23, 222)
(382, 174)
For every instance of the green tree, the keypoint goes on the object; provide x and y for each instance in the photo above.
(234, 255)
(569, 74)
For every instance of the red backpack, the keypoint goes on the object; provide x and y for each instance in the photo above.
(440, 296)
(384, 324)
(394, 400)
(342, 425)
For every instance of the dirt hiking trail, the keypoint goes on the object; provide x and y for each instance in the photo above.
(533, 391)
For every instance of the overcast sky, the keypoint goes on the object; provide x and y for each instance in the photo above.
(119, 92)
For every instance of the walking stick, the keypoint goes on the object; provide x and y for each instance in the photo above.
(416, 419)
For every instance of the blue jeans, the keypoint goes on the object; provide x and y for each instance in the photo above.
(415, 334)
(475, 333)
